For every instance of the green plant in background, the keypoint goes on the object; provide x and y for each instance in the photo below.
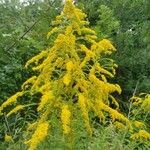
(107, 24)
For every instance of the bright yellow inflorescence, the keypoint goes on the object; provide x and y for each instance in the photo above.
(10, 101)
(119, 125)
(141, 102)
(71, 78)
(139, 124)
(83, 106)
(65, 119)
(38, 136)
(46, 97)
(142, 134)
(146, 103)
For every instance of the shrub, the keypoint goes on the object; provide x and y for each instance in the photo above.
(72, 79)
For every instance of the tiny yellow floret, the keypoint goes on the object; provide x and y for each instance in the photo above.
(8, 138)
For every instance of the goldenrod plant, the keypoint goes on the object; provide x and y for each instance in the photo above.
(140, 113)
(72, 77)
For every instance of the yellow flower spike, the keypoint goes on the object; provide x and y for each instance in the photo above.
(97, 107)
(65, 119)
(94, 37)
(68, 30)
(142, 134)
(146, 103)
(139, 124)
(83, 107)
(113, 71)
(11, 100)
(29, 81)
(104, 78)
(46, 87)
(114, 101)
(54, 30)
(115, 65)
(94, 47)
(68, 8)
(8, 138)
(32, 126)
(37, 58)
(114, 114)
(119, 125)
(89, 54)
(104, 71)
(106, 44)
(38, 136)
(88, 30)
(16, 109)
(101, 116)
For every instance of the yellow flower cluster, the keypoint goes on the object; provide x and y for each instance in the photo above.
(45, 100)
(119, 125)
(141, 103)
(67, 77)
(104, 71)
(52, 31)
(139, 124)
(69, 66)
(11, 100)
(8, 138)
(16, 109)
(106, 45)
(114, 114)
(65, 119)
(32, 126)
(36, 58)
(88, 30)
(29, 81)
(146, 103)
(142, 134)
(136, 101)
(69, 30)
(38, 136)
(83, 107)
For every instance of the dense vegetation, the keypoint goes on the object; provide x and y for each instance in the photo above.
(83, 76)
